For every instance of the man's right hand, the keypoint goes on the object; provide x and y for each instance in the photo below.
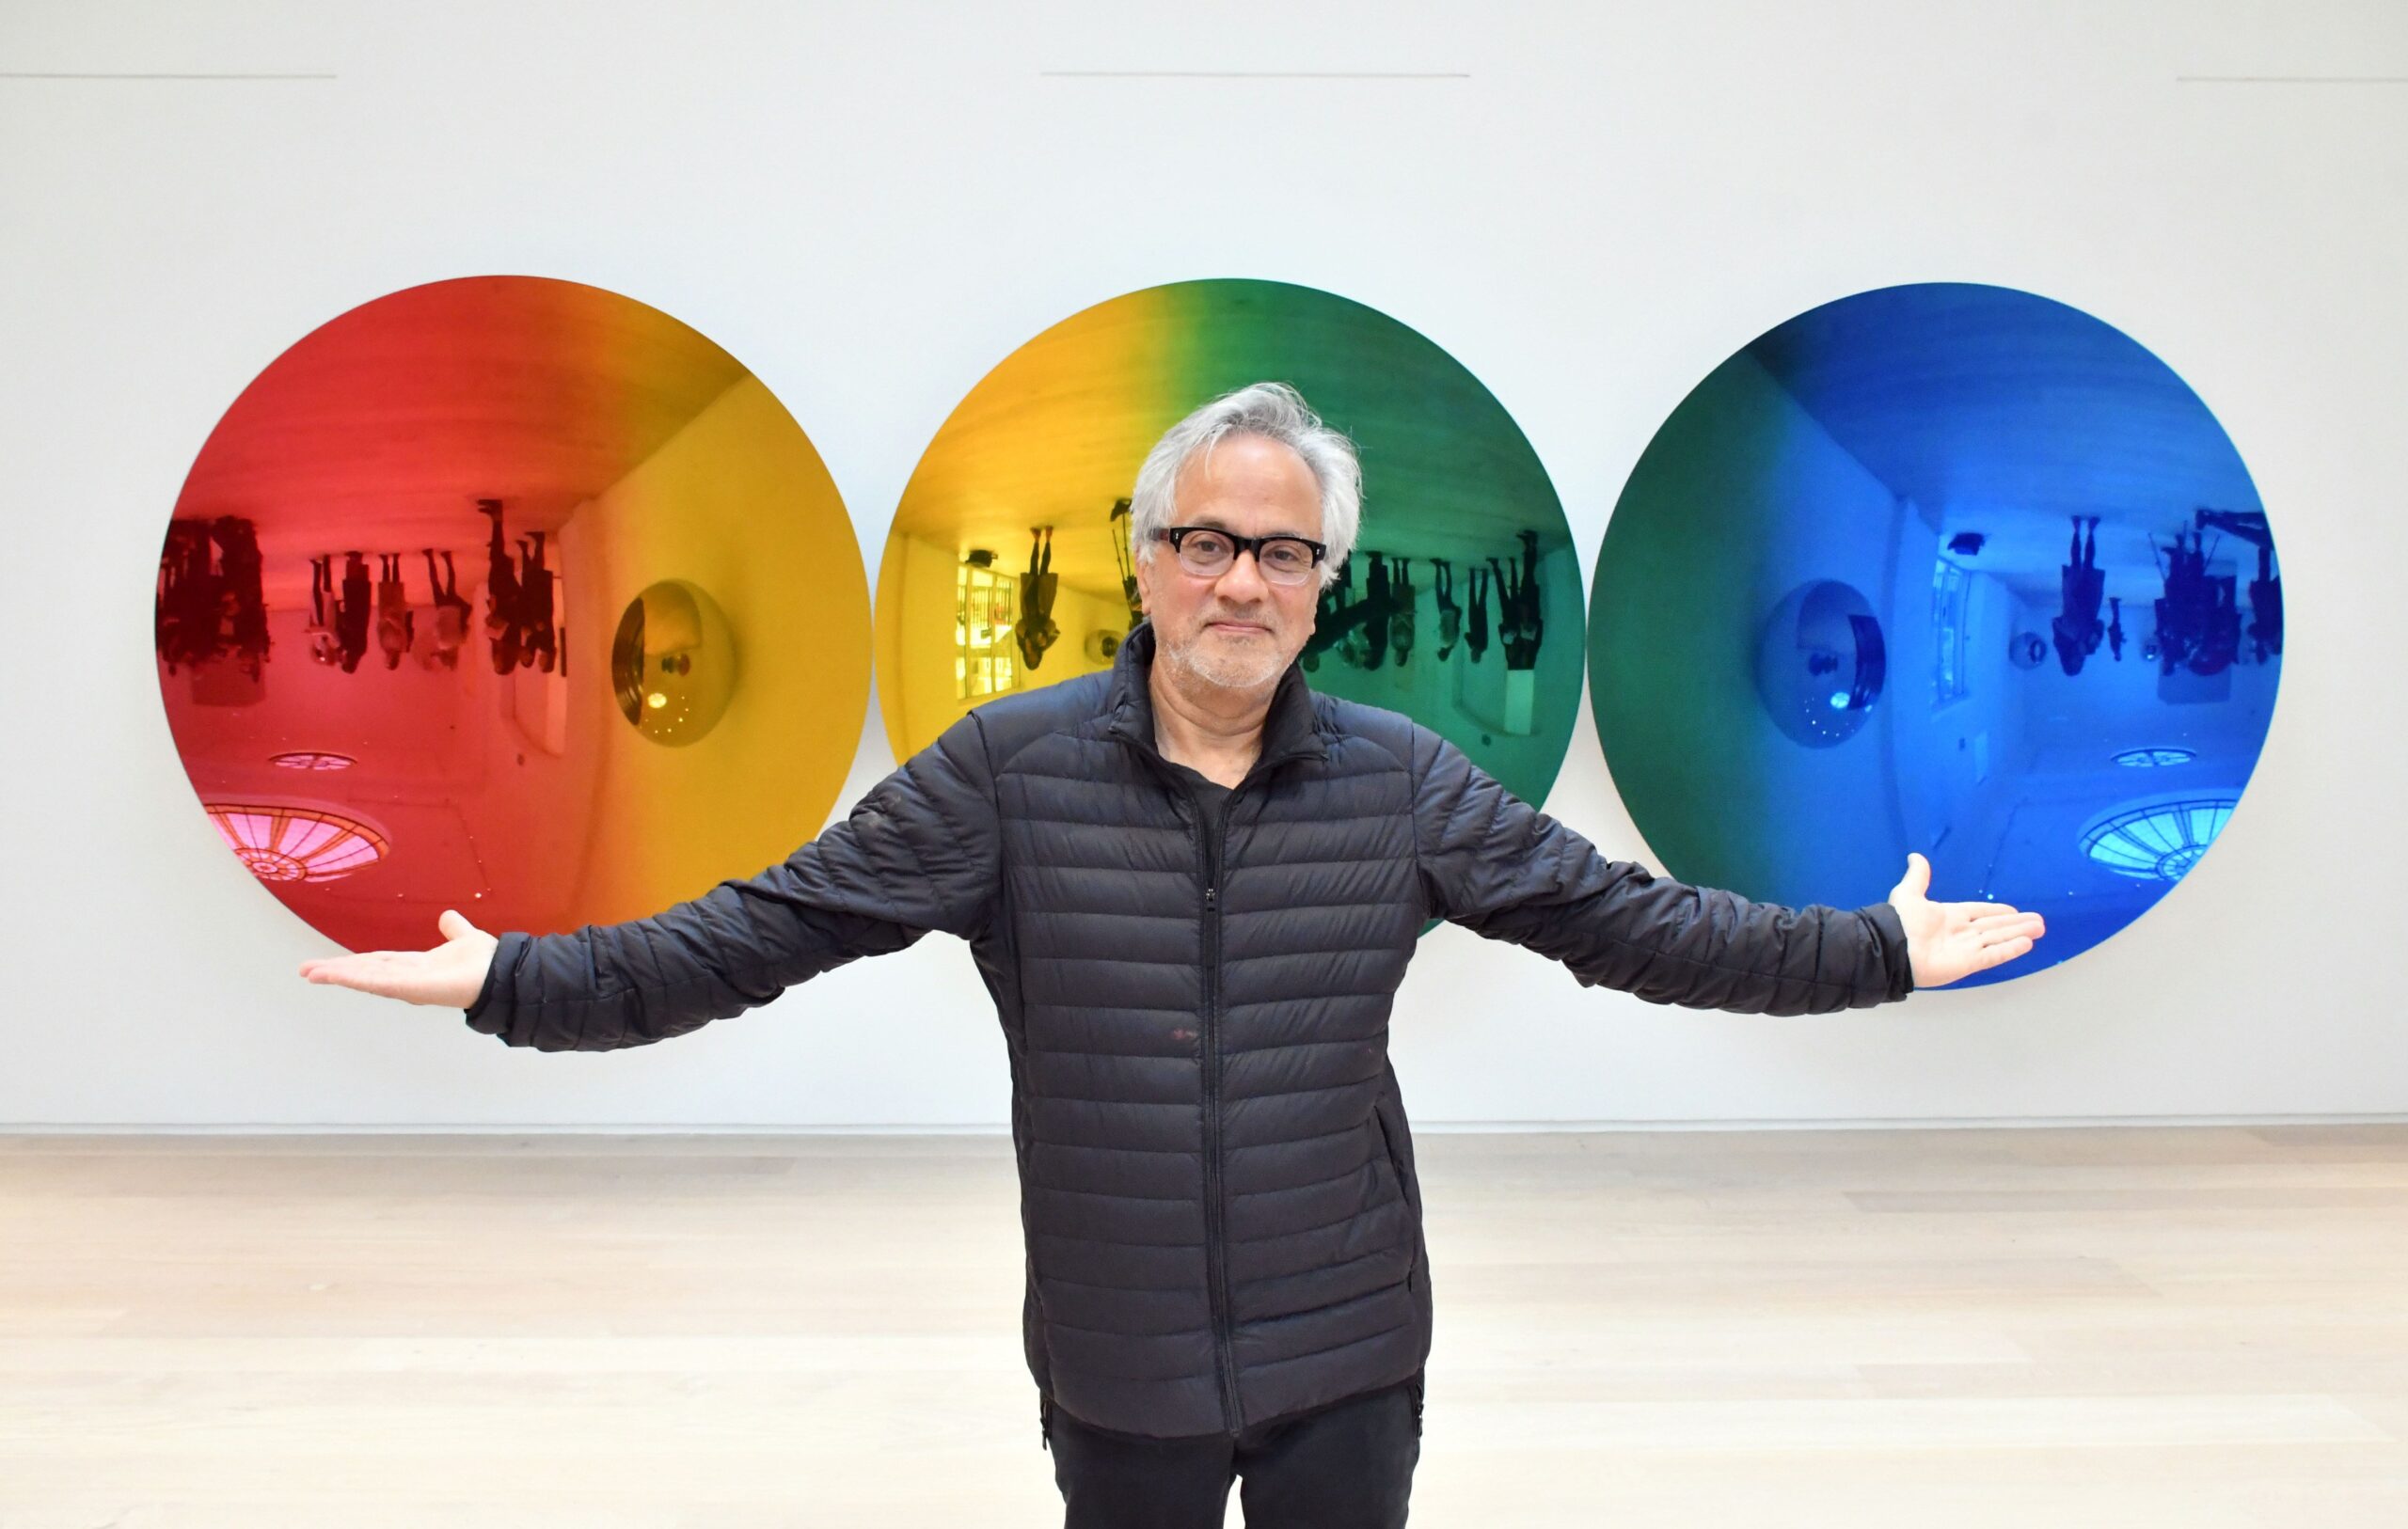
(451, 974)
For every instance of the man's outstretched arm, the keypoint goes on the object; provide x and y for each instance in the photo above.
(919, 852)
(1495, 864)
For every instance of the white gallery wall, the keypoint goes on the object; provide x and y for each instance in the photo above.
(1591, 206)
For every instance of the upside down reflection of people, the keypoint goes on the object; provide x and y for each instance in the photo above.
(2076, 629)
(2198, 623)
(453, 614)
(1451, 615)
(396, 624)
(209, 600)
(519, 599)
(1035, 631)
(1521, 623)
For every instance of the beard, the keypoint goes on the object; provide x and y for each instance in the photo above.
(1249, 665)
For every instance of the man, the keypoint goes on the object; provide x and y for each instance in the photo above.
(1193, 885)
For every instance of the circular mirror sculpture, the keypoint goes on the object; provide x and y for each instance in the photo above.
(389, 600)
(1930, 568)
(1009, 567)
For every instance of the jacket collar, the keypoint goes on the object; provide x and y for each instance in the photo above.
(1288, 730)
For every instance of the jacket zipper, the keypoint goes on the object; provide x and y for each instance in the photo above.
(1216, 1252)
(1215, 1258)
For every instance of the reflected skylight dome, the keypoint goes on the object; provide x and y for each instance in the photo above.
(2160, 840)
(286, 843)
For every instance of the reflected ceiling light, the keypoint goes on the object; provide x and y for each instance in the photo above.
(295, 843)
(2158, 841)
(312, 758)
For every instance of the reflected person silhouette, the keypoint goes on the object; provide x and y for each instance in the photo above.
(2266, 590)
(354, 612)
(1521, 624)
(1475, 635)
(185, 613)
(1379, 604)
(1451, 615)
(1343, 623)
(2075, 631)
(245, 597)
(537, 638)
(209, 599)
(396, 624)
(2198, 621)
(1035, 631)
(321, 632)
(451, 613)
(503, 632)
(2266, 609)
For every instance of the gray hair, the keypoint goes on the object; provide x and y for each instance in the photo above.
(1274, 411)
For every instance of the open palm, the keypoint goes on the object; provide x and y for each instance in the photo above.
(1949, 940)
(450, 974)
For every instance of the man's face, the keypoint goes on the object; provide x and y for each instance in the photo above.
(1238, 630)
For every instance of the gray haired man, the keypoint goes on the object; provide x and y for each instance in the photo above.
(1192, 886)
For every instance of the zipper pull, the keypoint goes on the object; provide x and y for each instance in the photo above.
(1209, 893)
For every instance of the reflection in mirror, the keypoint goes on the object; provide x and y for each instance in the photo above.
(1820, 666)
(673, 663)
(390, 600)
(1009, 566)
(1943, 568)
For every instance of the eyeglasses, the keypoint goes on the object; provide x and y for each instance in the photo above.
(1207, 552)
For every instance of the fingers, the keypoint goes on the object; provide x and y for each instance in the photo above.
(385, 973)
(1992, 923)
(358, 975)
(1999, 955)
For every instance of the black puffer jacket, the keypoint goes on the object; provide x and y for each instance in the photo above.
(1216, 1181)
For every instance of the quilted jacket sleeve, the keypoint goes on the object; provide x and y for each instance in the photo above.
(1495, 864)
(919, 852)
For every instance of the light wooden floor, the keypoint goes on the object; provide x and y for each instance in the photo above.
(2184, 1327)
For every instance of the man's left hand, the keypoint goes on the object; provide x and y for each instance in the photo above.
(1949, 940)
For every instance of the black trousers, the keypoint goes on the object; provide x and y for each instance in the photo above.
(1348, 1465)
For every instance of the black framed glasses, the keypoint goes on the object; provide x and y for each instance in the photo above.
(1207, 551)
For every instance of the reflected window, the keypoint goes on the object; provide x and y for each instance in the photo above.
(296, 844)
(2151, 757)
(985, 604)
(2159, 842)
(1947, 633)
